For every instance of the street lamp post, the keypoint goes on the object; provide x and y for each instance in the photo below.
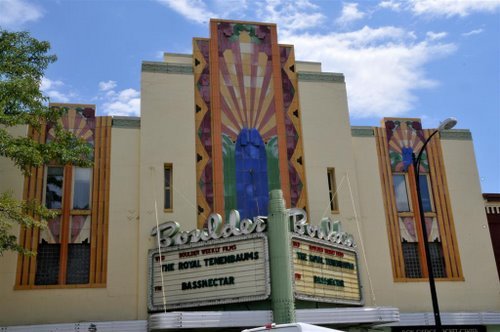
(445, 125)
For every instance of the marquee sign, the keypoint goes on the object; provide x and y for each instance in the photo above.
(228, 262)
(324, 272)
(226, 270)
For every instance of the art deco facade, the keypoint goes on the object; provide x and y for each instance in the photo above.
(219, 129)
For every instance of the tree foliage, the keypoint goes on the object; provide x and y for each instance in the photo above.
(23, 61)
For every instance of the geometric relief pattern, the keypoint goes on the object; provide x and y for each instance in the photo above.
(203, 126)
(409, 233)
(296, 168)
(80, 230)
(396, 141)
(405, 137)
(248, 116)
(77, 120)
(248, 131)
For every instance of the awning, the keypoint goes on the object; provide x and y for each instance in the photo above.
(219, 319)
(448, 318)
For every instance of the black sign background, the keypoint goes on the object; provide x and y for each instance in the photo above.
(445, 328)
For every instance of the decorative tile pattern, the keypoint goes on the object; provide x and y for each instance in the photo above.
(247, 144)
(78, 120)
(296, 168)
(248, 118)
(405, 137)
(203, 125)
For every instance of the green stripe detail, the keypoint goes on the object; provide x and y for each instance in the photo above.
(126, 122)
(280, 256)
(273, 168)
(310, 76)
(229, 169)
(362, 131)
(164, 67)
(456, 134)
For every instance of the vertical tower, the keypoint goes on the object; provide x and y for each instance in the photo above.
(249, 139)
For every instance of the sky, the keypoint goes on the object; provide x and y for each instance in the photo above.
(429, 59)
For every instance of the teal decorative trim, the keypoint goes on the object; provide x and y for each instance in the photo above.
(169, 68)
(126, 122)
(310, 76)
(280, 256)
(362, 131)
(456, 134)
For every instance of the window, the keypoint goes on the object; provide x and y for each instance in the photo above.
(396, 142)
(168, 187)
(64, 246)
(410, 229)
(401, 192)
(72, 250)
(332, 190)
(54, 187)
(424, 192)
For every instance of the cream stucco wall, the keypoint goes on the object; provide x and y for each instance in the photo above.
(375, 243)
(167, 136)
(480, 291)
(11, 179)
(328, 143)
(481, 288)
(118, 301)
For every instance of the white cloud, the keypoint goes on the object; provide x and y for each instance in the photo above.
(52, 89)
(450, 8)
(472, 32)
(390, 4)
(193, 10)
(105, 86)
(227, 8)
(290, 15)
(15, 13)
(350, 13)
(126, 102)
(436, 35)
(383, 67)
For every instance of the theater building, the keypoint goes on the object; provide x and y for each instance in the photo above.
(243, 196)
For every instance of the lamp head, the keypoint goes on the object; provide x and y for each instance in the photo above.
(447, 124)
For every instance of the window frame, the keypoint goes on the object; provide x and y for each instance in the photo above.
(89, 209)
(408, 193)
(332, 190)
(168, 167)
(438, 192)
(66, 213)
(432, 211)
(45, 183)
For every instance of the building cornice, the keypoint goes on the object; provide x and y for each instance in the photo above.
(309, 76)
(362, 131)
(456, 134)
(164, 67)
(126, 122)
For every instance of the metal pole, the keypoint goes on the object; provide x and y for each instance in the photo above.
(432, 284)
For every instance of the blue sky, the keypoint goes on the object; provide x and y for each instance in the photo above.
(420, 58)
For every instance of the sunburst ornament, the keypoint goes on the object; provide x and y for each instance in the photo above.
(79, 121)
(404, 139)
(247, 91)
